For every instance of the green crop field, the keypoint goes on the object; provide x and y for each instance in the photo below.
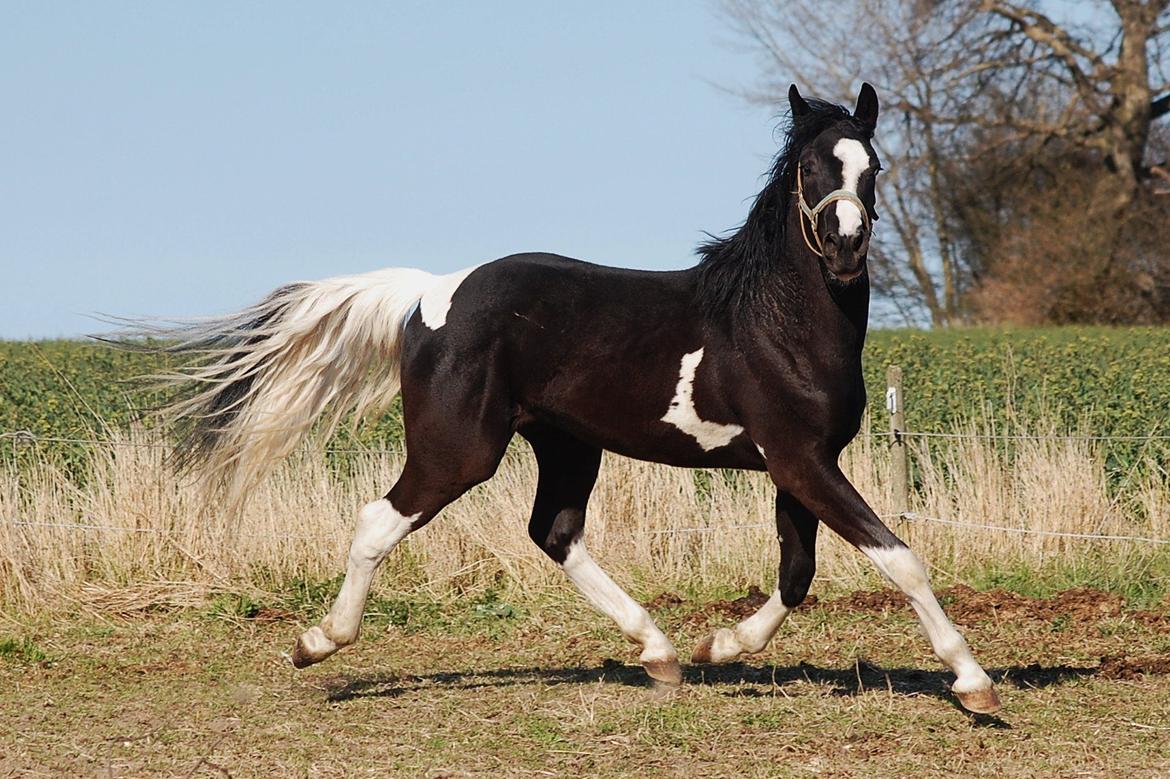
(1114, 381)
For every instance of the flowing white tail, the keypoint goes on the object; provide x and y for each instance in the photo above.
(263, 377)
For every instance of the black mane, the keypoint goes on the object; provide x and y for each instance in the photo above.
(732, 269)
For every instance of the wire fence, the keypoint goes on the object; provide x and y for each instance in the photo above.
(31, 438)
(1033, 437)
(907, 516)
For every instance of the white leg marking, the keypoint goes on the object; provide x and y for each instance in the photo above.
(379, 529)
(854, 160)
(751, 635)
(436, 301)
(901, 566)
(682, 414)
(608, 598)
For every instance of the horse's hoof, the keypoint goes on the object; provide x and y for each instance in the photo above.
(665, 673)
(980, 701)
(313, 646)
(702, 653)
(720, 647)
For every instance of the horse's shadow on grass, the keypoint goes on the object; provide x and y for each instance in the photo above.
(734, 679)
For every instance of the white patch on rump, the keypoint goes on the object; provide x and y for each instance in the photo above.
(854, 160)
(436, 301)
(682, 413)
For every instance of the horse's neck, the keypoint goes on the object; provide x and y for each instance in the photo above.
(804, 305)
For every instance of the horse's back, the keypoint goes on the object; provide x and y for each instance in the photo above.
(592, 349)
(539, 301)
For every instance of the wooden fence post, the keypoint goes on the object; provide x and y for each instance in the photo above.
(900, 459)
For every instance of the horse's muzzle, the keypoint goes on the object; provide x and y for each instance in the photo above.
(845, 255)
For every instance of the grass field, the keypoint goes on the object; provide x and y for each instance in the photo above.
(142, 629)
(548, 688)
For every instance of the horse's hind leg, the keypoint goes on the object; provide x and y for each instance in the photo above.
(797, 528)
(380, 527)
(437, 471)
(568, 471)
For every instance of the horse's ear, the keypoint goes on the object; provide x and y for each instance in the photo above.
(797, 103)
(866, 111)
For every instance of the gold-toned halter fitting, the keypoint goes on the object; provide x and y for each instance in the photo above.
(812, 213)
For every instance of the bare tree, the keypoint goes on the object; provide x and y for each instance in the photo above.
(968, 81)
(903, 51)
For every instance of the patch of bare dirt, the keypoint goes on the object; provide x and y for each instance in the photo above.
(271, 614)
(870, 600)
(739, 608)
(736, 609)
(967, 605)
(1083, 604)
(1122, 667)
(664, 600)
(733, 608)
(962, 603)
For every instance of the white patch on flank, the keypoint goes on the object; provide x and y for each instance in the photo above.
(901, 566)
(751, 635)
(682, 414)
(854, 161)
(608, 598)
(379, 529)
(436, 301)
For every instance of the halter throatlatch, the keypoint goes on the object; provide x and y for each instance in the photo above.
(811, 214)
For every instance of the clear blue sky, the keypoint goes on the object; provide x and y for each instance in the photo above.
(170, 158)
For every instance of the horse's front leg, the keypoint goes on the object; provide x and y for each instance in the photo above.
(796, 527)
(828, 494)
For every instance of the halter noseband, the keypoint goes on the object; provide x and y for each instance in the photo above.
(812, 213)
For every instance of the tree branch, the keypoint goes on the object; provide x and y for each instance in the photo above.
(1160, 107)
(1046, 32)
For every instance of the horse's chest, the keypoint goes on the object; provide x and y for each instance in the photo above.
(821, 400)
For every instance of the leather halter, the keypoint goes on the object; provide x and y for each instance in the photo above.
(811, 214)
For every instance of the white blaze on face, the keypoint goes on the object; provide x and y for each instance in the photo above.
(682, 413)
(854, 160)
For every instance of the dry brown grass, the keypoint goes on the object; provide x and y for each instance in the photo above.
(651, 526)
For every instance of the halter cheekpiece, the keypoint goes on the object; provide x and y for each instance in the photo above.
(811, 214)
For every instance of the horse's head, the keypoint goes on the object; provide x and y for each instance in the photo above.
(835, 185)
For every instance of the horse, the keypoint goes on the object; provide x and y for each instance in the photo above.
(749, 360)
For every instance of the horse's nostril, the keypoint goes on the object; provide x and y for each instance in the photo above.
(858, 240)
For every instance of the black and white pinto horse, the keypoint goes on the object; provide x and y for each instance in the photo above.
(751, 359)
